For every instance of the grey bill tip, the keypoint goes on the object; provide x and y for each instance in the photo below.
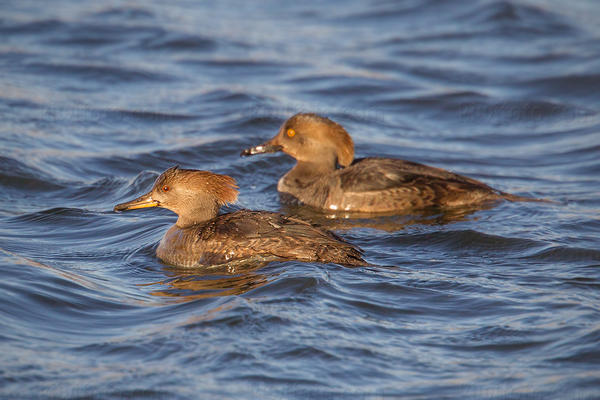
(260, 149)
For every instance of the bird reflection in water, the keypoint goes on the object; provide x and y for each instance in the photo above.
(185, 284)
(341, 221)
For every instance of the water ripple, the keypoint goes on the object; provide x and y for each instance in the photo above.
(492, 302)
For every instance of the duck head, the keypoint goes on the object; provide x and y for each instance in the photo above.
(195, 196)
(310, 138)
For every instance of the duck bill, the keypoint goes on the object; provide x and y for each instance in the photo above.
(262, 149)
(143, 201)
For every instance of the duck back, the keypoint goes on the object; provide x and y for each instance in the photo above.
(388, 185)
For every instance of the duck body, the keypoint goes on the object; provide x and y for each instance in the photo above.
(247, 234)
(384, 185)
(201, 237)
(326, 175)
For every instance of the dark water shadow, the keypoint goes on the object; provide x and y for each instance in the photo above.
(389, 222)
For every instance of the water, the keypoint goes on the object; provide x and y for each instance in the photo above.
(97, 98)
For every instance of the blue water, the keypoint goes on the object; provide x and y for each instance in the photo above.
(97, 98)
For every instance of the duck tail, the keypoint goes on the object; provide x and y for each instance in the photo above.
(354, 258)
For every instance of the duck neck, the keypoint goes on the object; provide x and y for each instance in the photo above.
(197, 213)
(308, 170)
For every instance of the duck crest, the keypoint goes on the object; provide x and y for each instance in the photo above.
(345, 145)
(337, 136)
(222, 187)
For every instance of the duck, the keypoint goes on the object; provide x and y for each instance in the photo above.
(328, 177)
(203, 237)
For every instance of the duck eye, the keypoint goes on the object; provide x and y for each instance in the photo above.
(165, 188)
(291, 132)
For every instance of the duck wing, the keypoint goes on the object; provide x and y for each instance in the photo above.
(248, 233)
(368, 174)
(384, 184)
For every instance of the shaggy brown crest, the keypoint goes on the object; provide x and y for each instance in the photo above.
(335, 135)
(222, 187)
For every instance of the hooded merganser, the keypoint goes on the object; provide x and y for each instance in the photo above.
(200, 237)
(371, 185)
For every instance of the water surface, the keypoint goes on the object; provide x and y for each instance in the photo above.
(97, 98)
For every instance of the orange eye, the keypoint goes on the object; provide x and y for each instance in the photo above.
(291, 132)
(166, 188)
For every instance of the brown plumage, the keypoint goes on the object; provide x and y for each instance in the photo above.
(373, 185)
(202, 238)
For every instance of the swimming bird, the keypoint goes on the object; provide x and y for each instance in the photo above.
(326, 175)
(201, 237)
